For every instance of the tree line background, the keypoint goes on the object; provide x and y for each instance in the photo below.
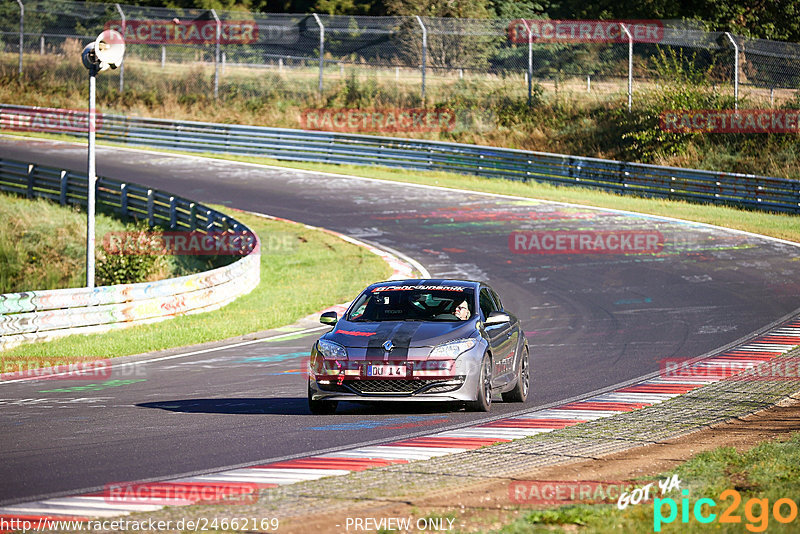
(763, 19)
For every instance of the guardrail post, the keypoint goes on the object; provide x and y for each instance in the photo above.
(735, 71)
(630, 65)
(21, 33)
(122, 65)
(321, 49)
(62, 197)
(173, 213)
(31, 168)
(209, 220)
(150, 204)
(192, 217)
(216, 54)
(123, 193)
(424, 54)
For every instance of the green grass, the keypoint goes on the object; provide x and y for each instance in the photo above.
(770, 470)
(306, 271)
(43, 245)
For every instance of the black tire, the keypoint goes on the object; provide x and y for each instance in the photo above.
(321, 407)
(521, 388)
(483, 400)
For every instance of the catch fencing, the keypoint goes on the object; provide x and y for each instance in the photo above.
(228, 53)
(725, 188)
(43, 315)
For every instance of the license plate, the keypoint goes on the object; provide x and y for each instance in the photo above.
(388, 371)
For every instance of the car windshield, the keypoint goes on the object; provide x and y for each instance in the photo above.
(408, 303)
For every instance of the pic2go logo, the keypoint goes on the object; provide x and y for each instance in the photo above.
(756, 511)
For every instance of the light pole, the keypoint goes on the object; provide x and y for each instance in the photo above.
(106, 52)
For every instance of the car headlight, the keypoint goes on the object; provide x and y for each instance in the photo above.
(331, 350)
(452, 349)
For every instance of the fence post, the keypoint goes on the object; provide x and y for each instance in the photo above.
(735, 71)
(530, 60)
(630, 65)
(424, 53)
(163, 56)
(321, 50)
(216, 54)
(122, 65)
(21, 32)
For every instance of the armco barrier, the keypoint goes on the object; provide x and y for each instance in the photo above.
(39, 315)
(747, 190)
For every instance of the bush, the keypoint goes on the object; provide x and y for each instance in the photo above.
(124, 267)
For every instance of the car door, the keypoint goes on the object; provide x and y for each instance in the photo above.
(508, 362)
(498, 337)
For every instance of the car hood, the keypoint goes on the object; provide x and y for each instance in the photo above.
(404, 335)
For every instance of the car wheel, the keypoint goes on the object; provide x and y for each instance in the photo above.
(520, 391)
(483, 397)
(321, 407)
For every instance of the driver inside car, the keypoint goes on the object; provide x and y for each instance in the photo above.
(462, 311)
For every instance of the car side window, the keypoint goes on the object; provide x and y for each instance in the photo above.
(497, 300)
(487, 304)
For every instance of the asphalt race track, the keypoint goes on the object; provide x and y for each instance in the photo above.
(592, 320)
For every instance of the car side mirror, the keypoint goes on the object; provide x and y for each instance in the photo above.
(329, 317)
(497, 317)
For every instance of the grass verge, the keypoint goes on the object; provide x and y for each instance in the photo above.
(43, 244)
(766, 474)
(306, 271)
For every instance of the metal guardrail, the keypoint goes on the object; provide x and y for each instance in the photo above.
(747, 190)
(39, 315)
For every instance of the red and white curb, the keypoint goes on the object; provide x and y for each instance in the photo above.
(238, 482)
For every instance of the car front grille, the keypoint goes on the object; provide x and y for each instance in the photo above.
(403, 387)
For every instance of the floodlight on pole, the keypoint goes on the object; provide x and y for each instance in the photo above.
(104, 53)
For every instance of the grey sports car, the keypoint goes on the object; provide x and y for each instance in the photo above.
(420, 340)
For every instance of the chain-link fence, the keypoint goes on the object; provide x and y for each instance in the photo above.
(184, 52)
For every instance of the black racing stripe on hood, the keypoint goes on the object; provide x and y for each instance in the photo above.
(401, 339)
(383, 333)
(400, 334)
